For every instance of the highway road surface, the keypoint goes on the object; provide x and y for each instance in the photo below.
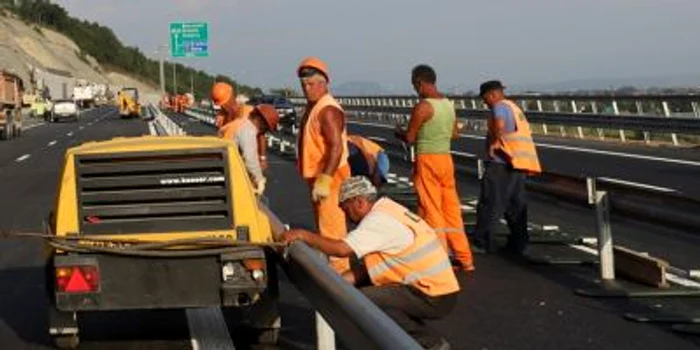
(505, 304)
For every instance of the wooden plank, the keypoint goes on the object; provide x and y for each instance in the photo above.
(640, 267)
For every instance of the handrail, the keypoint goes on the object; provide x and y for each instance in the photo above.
(359, 322)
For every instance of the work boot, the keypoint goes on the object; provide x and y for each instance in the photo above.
(441, 345)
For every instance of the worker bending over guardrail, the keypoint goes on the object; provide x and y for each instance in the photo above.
(511, 157)
(368, 159)
(245, 126)
(432, 127)
(406, 271)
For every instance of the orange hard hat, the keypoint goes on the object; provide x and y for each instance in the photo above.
(315, 63)
(269, 113)
(221, 92)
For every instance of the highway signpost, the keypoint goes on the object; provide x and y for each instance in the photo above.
(188, 39)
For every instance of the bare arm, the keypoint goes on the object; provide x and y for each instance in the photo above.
(330, 247)
(455, 130)
(422, 112)
(332, 125)
(497, 130)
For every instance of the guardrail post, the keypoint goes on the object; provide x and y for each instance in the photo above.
(579, 129)
(667, 114)
(616, 111)
(594, 110)
(523, 105)
(539, 109)
(605, 242)
(696, 110)
(325, 336)
(473, 103)
(640, 111)
(480, 168)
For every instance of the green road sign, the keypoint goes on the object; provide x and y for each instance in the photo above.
(189, 39)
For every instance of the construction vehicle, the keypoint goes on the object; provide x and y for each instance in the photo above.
(159, 223)
(128, 101)
(11, 89)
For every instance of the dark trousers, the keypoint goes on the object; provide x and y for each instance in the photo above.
(502, 195)
(409, 308)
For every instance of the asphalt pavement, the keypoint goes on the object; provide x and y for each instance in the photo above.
(664, 167)
(505, 304)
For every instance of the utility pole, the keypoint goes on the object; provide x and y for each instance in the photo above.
(162, 73)
(174, 79)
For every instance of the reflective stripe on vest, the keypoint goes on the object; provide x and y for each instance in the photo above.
(311, 146)
(518, 145)
(424, 265)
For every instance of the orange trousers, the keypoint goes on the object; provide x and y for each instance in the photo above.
(439, 206)
(330, 219)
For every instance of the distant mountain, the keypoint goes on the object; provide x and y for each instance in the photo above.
(675, 81)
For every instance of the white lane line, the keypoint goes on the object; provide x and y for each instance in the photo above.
(69, 134)
(81, 127)
(33, 126)
(51, 143)
(571, 148)
(637, 184)
(22, 158)
(375, 138)
(152, 129)
(208, 330)
(463, 154)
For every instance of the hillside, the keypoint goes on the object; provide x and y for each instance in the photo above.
(40, 41)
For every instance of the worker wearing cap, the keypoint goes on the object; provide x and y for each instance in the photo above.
(367, 158)
(409, 273)
(432, 127)
(511, 156)
(245, 132)
(322, 151)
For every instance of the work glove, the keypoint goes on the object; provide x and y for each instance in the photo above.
(322, 187)
(260, 187)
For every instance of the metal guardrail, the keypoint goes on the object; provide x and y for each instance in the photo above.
(661, 114)
(359, 322)
(667, 208)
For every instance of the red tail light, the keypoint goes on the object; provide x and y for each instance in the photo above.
(77, 279)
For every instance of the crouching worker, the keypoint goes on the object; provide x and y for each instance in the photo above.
(410, 275)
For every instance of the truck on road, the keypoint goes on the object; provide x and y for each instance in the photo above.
(11, 89)
(149, 223)
(128, 101)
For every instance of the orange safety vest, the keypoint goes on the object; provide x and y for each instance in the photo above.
(369, 150)
(312, 157)
(229, 129)
(518, 145)
(424, 265)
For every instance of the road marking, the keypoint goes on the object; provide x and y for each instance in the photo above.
(637, 184)
(571, 148)
(208, 330)
(463, 154)
(152, 129)
(51, 143)
(81, 127)
(69, 134)
(33, 126)
(375, 138)
(22, 158)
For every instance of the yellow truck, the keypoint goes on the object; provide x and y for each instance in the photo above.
(159, 223)
(128, 102)
(11, 90)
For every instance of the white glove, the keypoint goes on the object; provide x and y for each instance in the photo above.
(260, 187)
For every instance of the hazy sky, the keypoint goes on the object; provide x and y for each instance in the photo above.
(260, 42)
